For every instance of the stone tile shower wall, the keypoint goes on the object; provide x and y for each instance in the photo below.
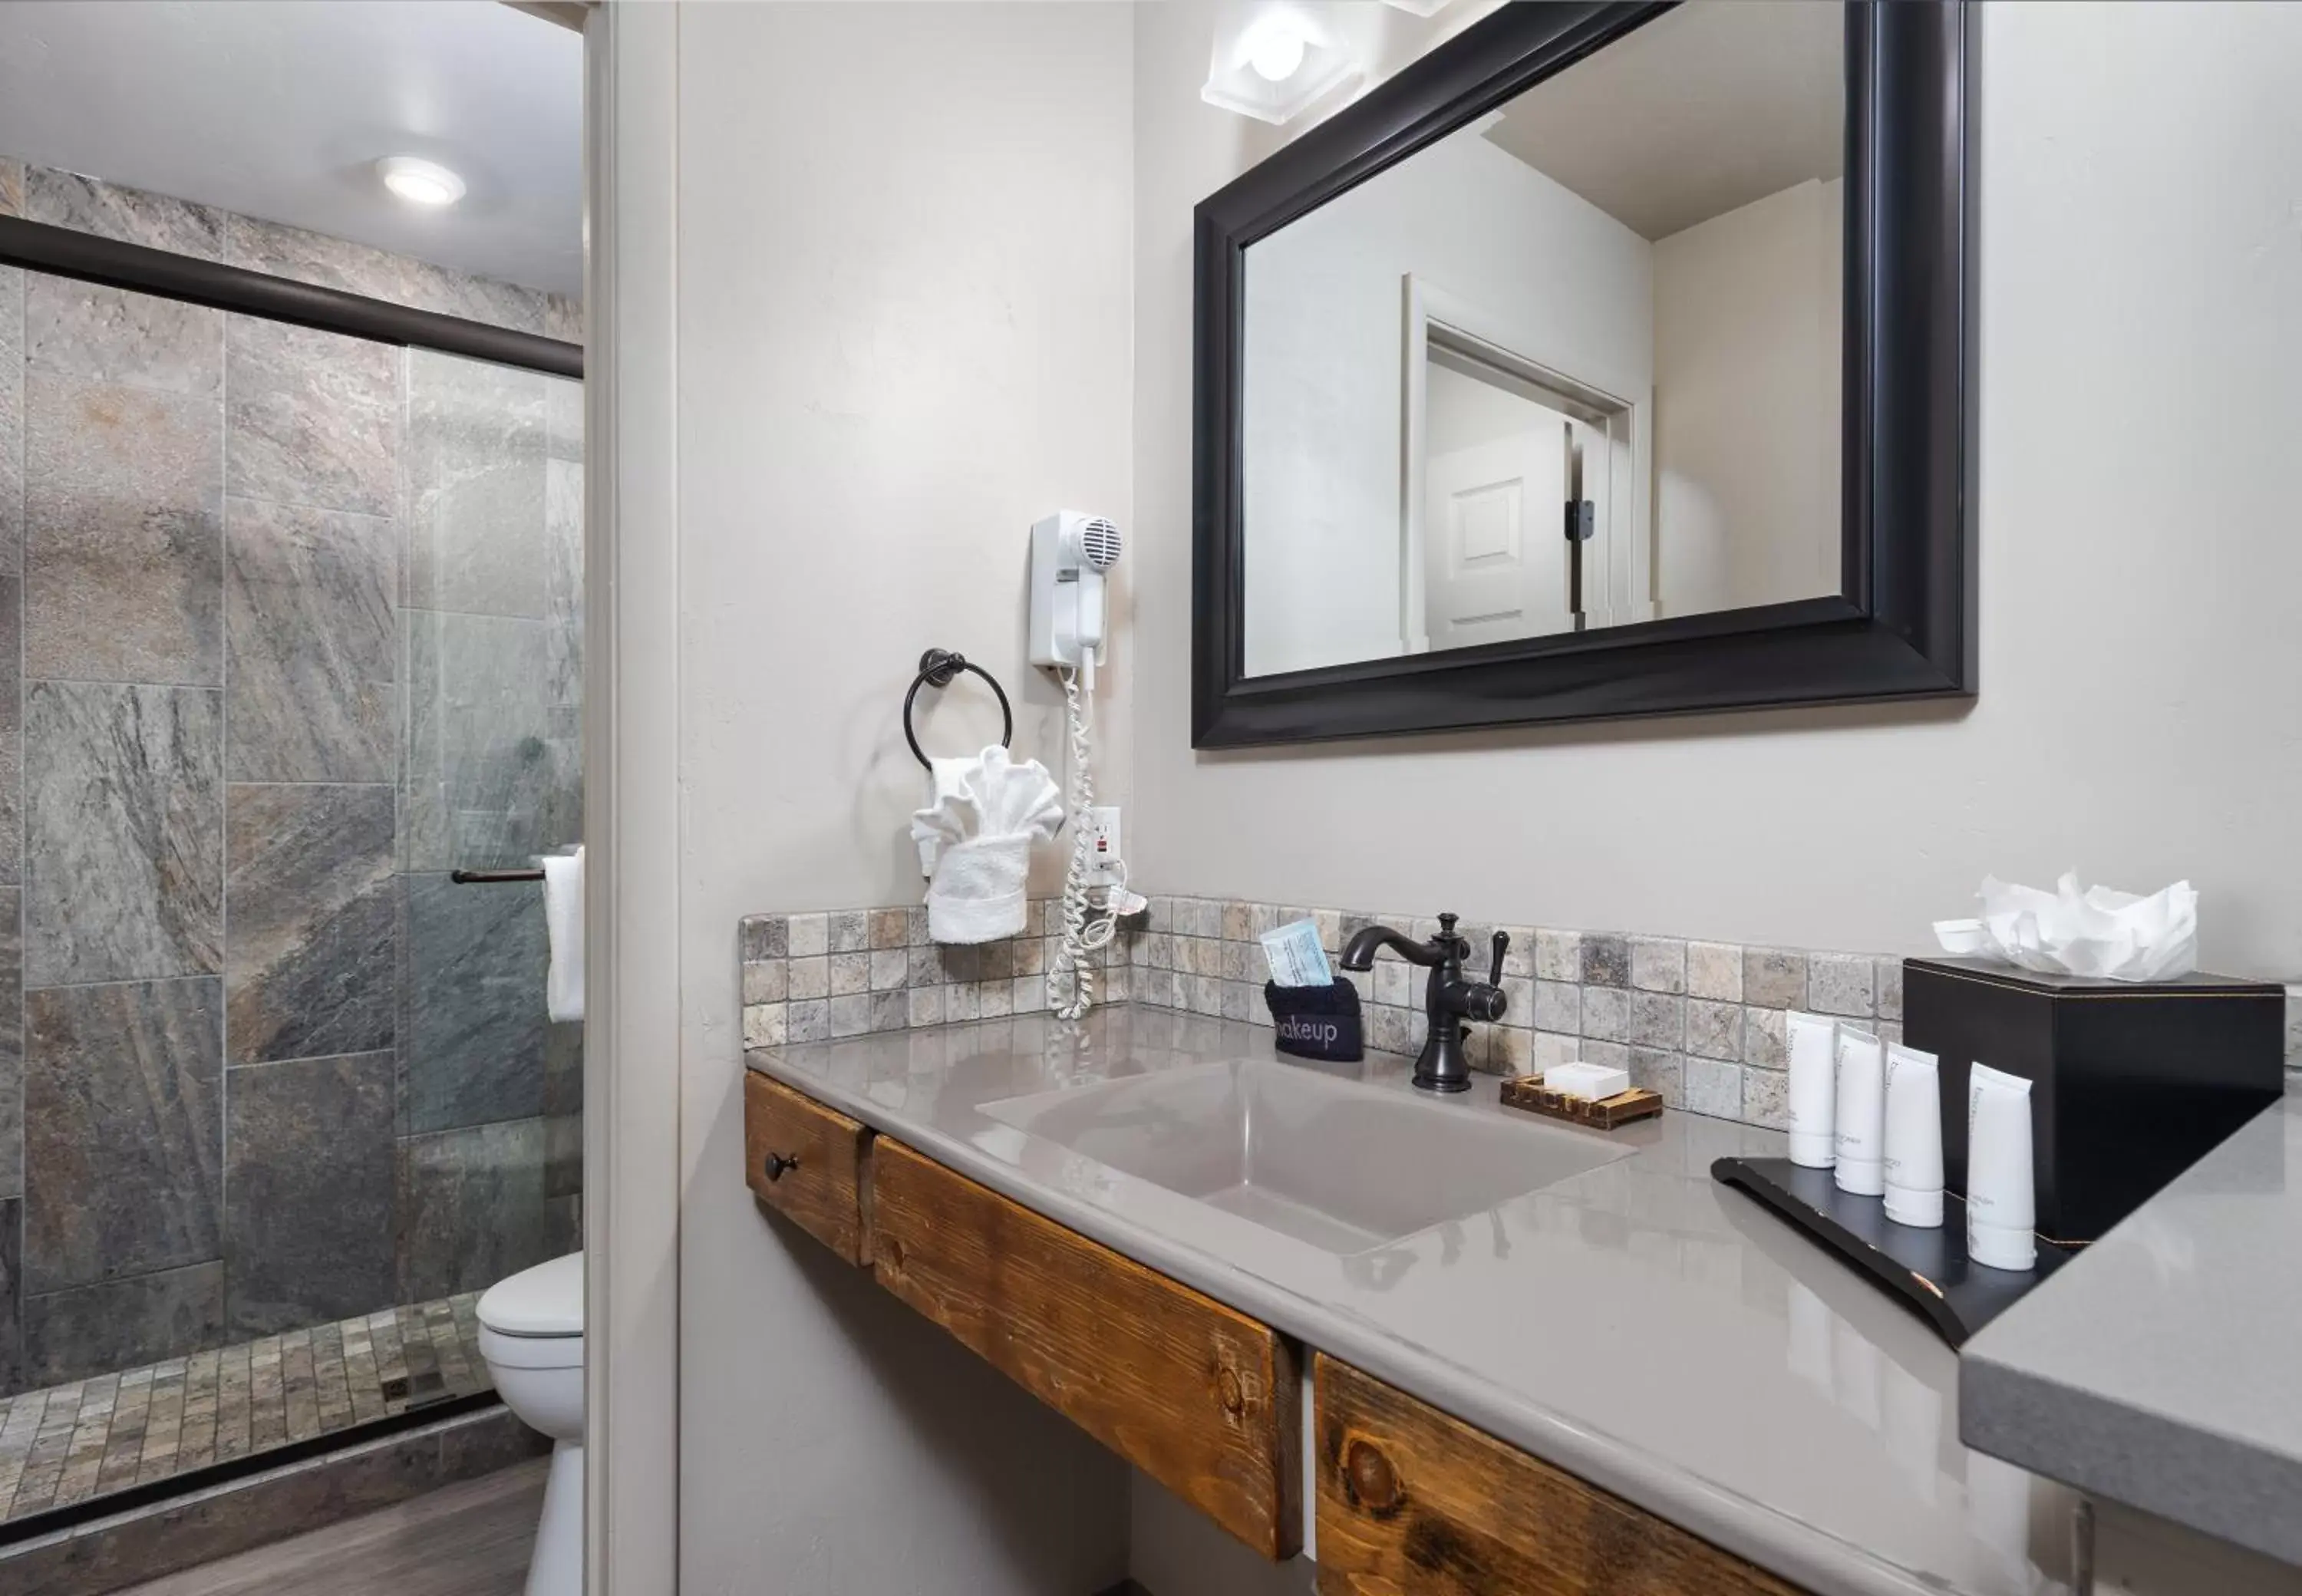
(288, 627)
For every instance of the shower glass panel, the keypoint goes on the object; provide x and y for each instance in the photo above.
(298, 631)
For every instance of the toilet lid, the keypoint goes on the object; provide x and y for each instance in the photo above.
(547, 1300)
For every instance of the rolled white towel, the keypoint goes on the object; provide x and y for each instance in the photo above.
(563, 925)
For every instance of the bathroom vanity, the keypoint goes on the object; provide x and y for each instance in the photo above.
(1489, 1352)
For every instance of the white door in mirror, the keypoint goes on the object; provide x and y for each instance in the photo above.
(1491, 571)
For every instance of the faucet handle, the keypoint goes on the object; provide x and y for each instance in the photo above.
(1502, 944)
(1447, 941)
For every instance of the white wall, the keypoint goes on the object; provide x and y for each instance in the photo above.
(1463, 412)
(905, 325)
(1322, 391)
(904, 331)
(1176, 1551)
(2141, 674)
(1747, 330)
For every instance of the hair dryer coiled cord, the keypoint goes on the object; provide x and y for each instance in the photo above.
(1080, 936)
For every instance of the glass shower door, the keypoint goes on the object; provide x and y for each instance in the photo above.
(298, 631)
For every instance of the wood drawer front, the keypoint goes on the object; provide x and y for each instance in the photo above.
(1413, 1503)
(1203, 1399)
(828, 1192)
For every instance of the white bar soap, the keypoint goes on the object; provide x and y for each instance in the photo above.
(1597, 1082)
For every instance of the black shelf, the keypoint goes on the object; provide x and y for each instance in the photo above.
(1926, 1270)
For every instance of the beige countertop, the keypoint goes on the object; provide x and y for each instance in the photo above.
(1783, 1407)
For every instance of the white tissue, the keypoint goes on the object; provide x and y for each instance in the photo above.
(2099, 932)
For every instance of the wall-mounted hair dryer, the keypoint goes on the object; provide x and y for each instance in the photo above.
(1069, 553)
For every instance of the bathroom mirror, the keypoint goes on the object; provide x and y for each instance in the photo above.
(1611, 359)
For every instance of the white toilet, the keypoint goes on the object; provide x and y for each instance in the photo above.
(532, 1335)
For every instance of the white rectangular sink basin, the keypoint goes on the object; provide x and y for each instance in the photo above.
(1337, 1164)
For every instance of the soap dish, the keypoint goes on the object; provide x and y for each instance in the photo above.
(1603, 1113)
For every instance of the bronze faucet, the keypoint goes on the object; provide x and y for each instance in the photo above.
(1448, 1000)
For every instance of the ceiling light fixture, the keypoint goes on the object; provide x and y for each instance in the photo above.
(420, 182)
(1275, 51)
(1280, 62)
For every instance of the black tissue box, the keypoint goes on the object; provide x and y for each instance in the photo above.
(1320, 1022)
(2131, 1083)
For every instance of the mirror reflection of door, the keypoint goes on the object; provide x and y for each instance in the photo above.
(1511, 458)
(1496, 562)
(1641, 255)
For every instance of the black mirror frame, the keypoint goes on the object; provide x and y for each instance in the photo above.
(1904, 625)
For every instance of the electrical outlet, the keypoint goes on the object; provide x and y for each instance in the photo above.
(1102, 855)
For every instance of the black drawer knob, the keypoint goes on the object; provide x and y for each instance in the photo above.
(777, 1163)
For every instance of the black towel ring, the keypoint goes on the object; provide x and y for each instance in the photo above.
(937, 667)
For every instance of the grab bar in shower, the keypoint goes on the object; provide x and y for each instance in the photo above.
(490, 877)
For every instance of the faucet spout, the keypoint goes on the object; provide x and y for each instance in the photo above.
(1359, 953)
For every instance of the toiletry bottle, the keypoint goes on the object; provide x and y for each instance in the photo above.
(1915, 1154)
(1859, 1121)
(1813, 1090)
(2000, 1192)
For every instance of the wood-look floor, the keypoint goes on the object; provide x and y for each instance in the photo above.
(466, 1540)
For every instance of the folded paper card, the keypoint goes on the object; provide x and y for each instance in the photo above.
(2101, 932)
(1296, 959)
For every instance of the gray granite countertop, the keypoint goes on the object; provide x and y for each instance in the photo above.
(1783, 1408)
(2159, 1368)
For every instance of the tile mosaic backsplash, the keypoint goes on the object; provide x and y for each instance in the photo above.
(810, 978)
(1702, 1023)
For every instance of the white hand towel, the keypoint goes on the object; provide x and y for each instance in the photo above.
(563, 925)
(984, 830)
(945, 777)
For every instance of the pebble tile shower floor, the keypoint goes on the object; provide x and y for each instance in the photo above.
(67, 1443)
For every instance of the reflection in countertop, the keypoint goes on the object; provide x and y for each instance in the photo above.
(1772, 1401)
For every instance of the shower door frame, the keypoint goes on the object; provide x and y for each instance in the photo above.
(111, 263)
(64, 252)
(631, 1136)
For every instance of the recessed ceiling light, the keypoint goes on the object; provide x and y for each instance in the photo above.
(420, 182)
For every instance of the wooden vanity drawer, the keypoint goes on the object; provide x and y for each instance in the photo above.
(1202, 1398)
(1414, 1503)
(826, 1190)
